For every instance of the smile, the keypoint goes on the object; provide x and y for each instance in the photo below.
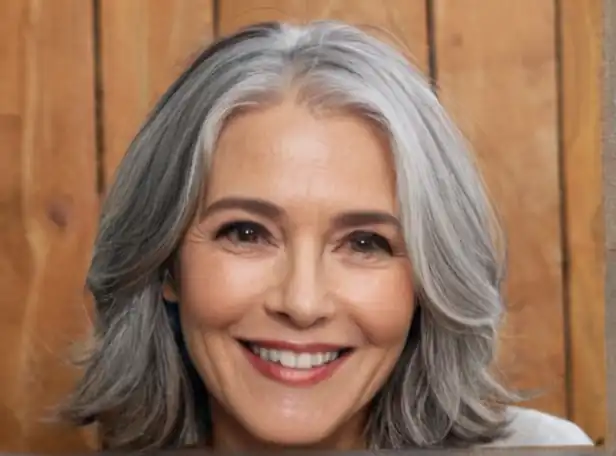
(295, 360)
(295, 365)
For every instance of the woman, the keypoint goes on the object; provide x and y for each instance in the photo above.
(297, 252)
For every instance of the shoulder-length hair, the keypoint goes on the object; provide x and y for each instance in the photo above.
(137, 382)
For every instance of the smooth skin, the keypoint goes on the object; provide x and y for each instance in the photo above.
(299, 241)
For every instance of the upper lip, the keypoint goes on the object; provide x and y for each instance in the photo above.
(295, 346)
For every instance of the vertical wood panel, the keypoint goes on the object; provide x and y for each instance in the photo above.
(495, 64)
(608, 91)
(403, 21)
(48, 204)
(144, 45)
(581, 70)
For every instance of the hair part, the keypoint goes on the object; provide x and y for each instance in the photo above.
(137, 380)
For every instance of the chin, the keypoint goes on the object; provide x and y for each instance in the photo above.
(289, 434)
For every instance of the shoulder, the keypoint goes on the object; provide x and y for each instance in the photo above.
(534, 428)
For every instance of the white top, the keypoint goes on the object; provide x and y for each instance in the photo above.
(533, 428)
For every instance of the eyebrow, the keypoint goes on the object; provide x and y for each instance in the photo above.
(359, 218)
(254, 206)
(271, 211)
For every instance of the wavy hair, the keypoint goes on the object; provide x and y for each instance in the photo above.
(138, 383)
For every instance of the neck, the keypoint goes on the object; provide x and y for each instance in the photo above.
(229, 435)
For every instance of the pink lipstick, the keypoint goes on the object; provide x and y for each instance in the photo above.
(295, 364)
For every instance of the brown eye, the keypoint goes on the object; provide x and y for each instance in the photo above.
(366, 242)
(243, 233)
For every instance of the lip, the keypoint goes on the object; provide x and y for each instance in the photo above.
(295, 377)
(295, 347)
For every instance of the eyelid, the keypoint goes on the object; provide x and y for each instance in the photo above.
(261, 230)
(240, 223)
(359, 232)
(349, 237)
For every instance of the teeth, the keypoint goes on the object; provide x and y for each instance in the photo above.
(288, 359)
(295, 360)
(273, 355)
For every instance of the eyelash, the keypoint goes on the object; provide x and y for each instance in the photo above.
(358, 240)
(376, 242)
(235, 229)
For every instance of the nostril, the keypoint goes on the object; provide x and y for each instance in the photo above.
(300, 320)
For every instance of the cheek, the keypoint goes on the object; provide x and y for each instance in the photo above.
(380, 302)
(218, 288)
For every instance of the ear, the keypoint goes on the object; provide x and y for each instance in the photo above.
(169, 293)
(169, 289)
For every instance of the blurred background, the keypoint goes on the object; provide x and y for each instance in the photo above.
(521, 78)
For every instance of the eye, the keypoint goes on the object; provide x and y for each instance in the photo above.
(368, 243)
(243, 232)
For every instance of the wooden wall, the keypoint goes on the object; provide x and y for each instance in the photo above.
(522, 78)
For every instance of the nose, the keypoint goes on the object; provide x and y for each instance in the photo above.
(301, 299)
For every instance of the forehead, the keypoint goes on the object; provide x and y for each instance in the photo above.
(287, 154)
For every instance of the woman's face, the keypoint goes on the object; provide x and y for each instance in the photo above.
(294, 285)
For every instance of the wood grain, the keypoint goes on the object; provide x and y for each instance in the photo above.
(144, 45)
(496, 70)
(581, 67)
(402, 22)
(48, 204)
(609, 205)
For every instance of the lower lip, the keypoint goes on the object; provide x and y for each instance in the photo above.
(294, 377)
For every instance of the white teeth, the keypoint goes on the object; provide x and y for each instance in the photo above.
(303, 361)
(274, 355)
(288, 359)
(294, 360)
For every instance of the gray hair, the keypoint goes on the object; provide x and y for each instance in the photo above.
(137, 384)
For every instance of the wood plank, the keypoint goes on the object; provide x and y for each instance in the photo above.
(14, 266)
(144, 45)
(608, 90)
(48, 203)
(496, 70)
(11, 50)
(581, 72)
(403, 22)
